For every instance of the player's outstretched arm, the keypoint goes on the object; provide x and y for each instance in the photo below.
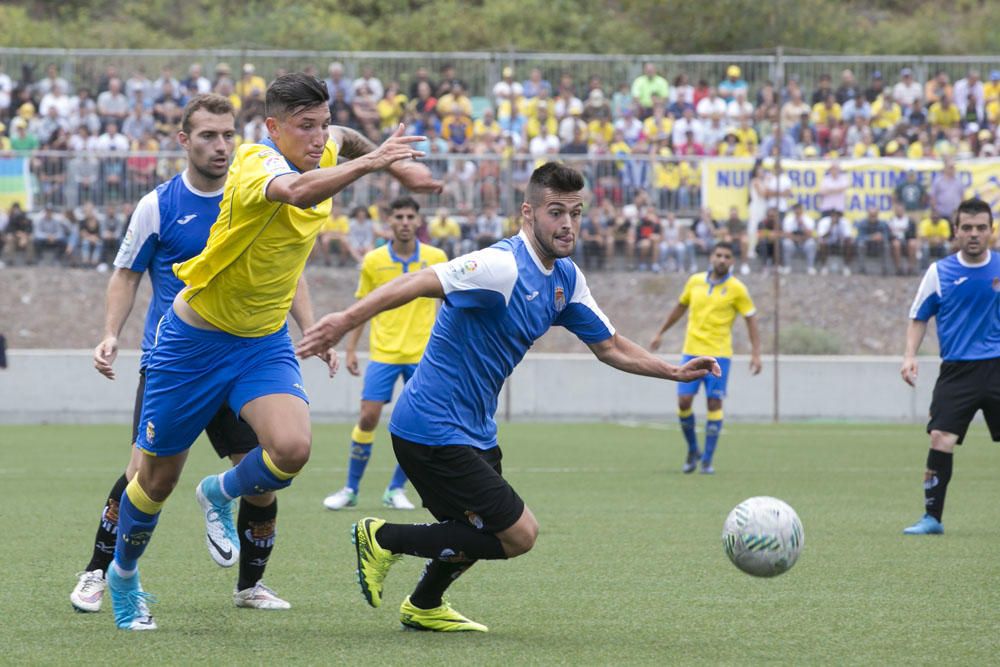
(333, 327)
(120, 298)
(414, 176)
(676, 314)
(754, 332)
(318, 185)
(915, 331)
(621, 353)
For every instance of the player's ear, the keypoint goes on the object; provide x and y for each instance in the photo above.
(271, 124)
(527, 212)
(183, 139)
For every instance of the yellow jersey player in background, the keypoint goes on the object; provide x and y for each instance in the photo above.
(225, 340)
(714, 299)
(397, 341)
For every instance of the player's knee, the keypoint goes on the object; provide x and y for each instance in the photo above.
(291, 452)
(522, 539)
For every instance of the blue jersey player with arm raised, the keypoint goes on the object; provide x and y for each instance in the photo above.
(497, 303)
(962, 292)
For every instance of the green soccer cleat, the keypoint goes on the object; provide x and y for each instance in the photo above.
(439, 619)
(373, 561)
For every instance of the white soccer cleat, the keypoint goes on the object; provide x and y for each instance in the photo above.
(88, 594)
(220, 533)
(397, 500)
(259, 597)
(341, 499)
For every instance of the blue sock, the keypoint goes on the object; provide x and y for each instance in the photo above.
(398, 480)
(135, 526)
(360, 453)
(687, 427)
(254, 475)
(713, 427)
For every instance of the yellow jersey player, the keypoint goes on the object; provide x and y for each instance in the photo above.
(397, 341)
(714, 299)
(224, 340)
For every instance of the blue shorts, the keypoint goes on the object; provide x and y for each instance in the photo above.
(381, 378)
(192, 372)
(715, 387)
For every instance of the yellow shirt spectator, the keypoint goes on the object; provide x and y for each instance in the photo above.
(886, 114)
(938, 116)
(653, 128)
(448, 104)
(747, 138)
(336, 224)
(534, 126)
(390, 112)
(444, 228)
(934, 230)
(486, 128)
(822, 113)
(861, 149)
(599, 128)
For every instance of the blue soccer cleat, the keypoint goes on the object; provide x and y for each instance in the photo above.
(130, 602)
(928, 525)
(221, 537)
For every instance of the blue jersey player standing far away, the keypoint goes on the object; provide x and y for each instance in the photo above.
(497, 303)
(962, 292)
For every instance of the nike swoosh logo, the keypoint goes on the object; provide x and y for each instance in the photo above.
(225, 553)
(531, 297)
(186, 219)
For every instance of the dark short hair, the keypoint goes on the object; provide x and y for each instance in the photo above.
(404, 202)
(359, 209)
(294, 92)
(973, 206)
(725, 245)
(552, 176)
(210, 102)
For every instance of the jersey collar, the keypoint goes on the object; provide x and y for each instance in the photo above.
(711, 283)
(270, 144)
(196, 191)
(412, 258)
(968, 265)
(534, 257)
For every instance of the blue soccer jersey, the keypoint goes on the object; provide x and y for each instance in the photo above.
(965, 300)
(170, 224)
(498, 302)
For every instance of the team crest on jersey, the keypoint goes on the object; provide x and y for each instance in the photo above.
(996, 284)
(560, 298)
(150, 432)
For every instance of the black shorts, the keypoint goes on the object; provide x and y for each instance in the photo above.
(962, 389)
(461, 483)
(226, 432)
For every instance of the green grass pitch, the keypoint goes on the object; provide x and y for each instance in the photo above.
(628, 568)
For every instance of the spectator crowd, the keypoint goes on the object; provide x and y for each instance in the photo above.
(95, 146)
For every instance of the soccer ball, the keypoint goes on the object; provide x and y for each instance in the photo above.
(763, 536)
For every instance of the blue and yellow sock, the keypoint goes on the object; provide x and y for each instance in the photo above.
(254, 475)
(137, 517)
(398, 480)
(361, 451)
(687, 427)
(713, 428)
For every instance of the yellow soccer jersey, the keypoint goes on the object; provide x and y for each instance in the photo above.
(712, 307)
(399, 336)
(244, 280)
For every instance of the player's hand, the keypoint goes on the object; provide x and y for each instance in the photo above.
(755, 365)
(698, 367)
(331, 359)
(397, 147)
(909, 371)
(323, 335)
(104, 355)
(416, 177)
(654, 344)
(352, 363)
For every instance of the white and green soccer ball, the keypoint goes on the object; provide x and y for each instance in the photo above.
(763, 536)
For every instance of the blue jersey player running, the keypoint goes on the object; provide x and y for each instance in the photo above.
(171, 224)
(962, 292)
(497, 303)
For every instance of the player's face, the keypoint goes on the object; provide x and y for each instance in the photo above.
(302, 136)
(555, 224)
(210, 144)
(404, 222)
(973, 234)
(722, 261)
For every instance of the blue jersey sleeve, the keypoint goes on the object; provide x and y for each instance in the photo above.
(142, 235)
(483, 279)
(583, 316)
(928, 299)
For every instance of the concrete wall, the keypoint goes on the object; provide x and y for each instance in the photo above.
(62, 386)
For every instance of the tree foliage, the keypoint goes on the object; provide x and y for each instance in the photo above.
(591, 26)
